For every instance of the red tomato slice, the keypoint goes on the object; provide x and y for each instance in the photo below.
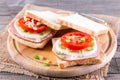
(76, 40)
(38, 29)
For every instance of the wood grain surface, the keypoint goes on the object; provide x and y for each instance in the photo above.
(9, 8)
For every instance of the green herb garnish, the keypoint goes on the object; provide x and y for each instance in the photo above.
(81, 51)
(30, 25)
(36, 57)
(58, 52)
(21, 29)
(61, 46)
(82, 40)
(39, 57)
(42, 33)
(29, 32)
(90, 48)
(93, 42)
(62, 56)
(47, 62)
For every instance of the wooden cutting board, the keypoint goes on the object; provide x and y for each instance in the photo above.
(24, 56)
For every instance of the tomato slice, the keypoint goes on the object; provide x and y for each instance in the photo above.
(35, 29)
(76, 40)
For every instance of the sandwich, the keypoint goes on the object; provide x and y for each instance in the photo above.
(35, 28)
(77, 48)
(83, 24)
(80, 47)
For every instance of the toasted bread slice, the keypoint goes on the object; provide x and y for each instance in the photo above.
(99, 58)
(47, 17)
(83, 24)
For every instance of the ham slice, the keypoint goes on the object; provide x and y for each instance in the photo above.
(33, 40)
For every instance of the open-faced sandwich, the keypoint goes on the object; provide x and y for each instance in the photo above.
(35, 28)
(81, 47)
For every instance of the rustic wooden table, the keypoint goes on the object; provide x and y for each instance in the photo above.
(9, 8)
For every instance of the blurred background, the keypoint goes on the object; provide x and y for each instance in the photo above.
(9, 8)
(109, 7)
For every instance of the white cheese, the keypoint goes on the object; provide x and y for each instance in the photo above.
(32, 35)
(76, 54)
